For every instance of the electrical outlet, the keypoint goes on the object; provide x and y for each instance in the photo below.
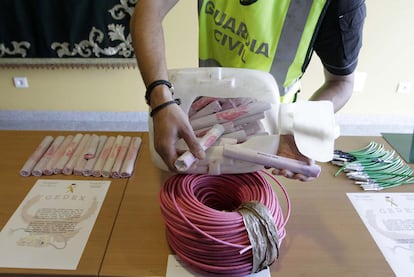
(404, 87)
(20, 82)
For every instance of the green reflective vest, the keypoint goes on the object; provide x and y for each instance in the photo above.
(275, 38)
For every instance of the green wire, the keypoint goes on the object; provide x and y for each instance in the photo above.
(381, 167)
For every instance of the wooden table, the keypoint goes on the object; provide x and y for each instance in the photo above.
(325, 236)
(15, 148)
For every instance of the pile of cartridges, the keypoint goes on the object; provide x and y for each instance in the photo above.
(84, 155)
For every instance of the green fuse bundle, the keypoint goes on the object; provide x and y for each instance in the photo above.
(373, 167)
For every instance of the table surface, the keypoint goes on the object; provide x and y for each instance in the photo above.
(15, 149)
(325, 236)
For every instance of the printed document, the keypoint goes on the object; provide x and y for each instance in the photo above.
(389, 217)
(51, 226)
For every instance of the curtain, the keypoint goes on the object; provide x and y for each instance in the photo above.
(66, 32)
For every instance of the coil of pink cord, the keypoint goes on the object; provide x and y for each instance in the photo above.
(204, 227)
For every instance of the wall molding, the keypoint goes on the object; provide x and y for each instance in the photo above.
(374, 125)
(73, 120)
(138, 121)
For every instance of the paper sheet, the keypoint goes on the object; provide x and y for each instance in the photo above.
(176, 268)
(389, 217)
(51, 226)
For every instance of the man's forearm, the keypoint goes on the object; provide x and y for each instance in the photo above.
(148, 42)
(337, 89)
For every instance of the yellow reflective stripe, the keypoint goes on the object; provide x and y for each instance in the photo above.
(295, 69)
(289, 95)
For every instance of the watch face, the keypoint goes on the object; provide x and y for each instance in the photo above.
(247, 2)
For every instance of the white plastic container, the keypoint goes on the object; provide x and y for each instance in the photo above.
(312, 123)
(221, 82)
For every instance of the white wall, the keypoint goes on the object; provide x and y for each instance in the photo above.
(387, 58)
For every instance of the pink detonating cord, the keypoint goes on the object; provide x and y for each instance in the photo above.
(203, 227)
(185, 161)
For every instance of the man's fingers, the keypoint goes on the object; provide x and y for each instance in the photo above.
(193, 144)
(291, 175)
(169, 156)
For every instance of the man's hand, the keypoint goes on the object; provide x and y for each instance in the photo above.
(171, 124)
(288, 149)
